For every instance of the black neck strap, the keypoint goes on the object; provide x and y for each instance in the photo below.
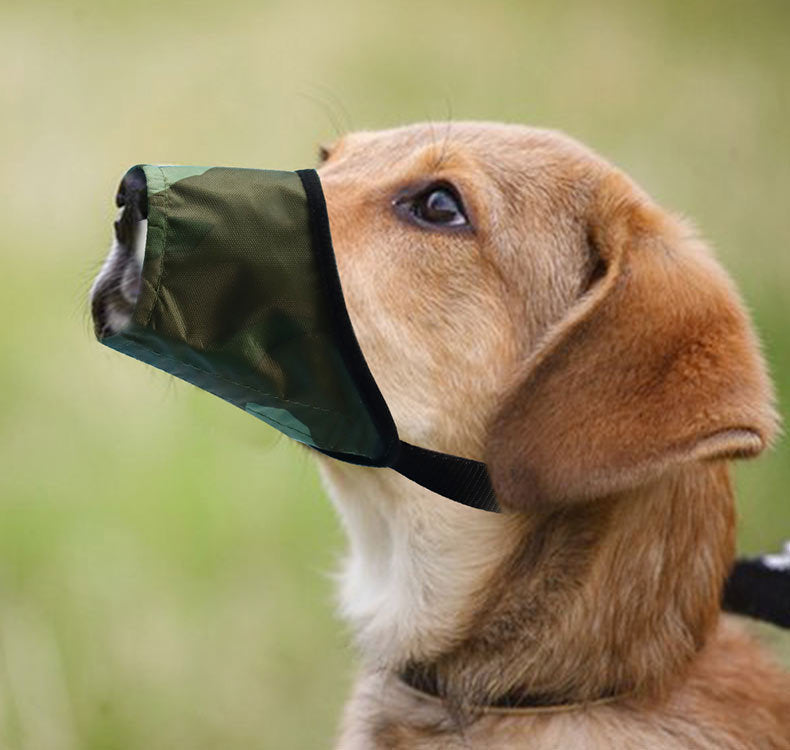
(759, 590)
(460, 479)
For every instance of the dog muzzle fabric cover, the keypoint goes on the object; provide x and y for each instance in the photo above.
(240, 296)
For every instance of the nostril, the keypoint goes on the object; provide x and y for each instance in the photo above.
(132, 198)
(133, 194)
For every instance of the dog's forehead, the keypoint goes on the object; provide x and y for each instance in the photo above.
(501, 149)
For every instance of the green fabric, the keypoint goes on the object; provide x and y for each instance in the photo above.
(282, 420)
(160, 176)
(232, 301)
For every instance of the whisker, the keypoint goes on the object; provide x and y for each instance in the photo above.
(338, 102)
(326, 108)
(443, 154)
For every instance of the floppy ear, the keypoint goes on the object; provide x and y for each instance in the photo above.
(655, 366)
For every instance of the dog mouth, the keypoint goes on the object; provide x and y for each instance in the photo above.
(116, 289)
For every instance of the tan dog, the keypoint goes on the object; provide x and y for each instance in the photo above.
(521, 301)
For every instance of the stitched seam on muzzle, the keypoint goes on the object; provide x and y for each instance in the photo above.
(161, 273)
(288, 427)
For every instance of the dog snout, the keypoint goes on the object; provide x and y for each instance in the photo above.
(116, 288)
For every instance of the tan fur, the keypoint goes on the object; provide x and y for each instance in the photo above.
(586, 344)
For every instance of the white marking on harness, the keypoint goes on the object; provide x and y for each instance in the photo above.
(780, 561)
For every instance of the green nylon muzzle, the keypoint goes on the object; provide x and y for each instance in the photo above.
(240, 296)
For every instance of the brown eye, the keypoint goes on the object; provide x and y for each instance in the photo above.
(438, 205)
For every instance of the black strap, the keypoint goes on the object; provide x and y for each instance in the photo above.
(460, 479)
(757, 590)
(424, 679)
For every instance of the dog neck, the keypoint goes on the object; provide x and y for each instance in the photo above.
(609, 597)
(414, 564)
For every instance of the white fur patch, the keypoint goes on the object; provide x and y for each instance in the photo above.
(414, 565)
(140, 237)
(121, 271)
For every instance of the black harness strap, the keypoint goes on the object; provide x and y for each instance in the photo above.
(460, 479)
(422, 679)
(757, 590)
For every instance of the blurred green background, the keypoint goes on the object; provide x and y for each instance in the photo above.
(163, 557)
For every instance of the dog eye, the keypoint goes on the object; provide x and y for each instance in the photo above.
(438, 205)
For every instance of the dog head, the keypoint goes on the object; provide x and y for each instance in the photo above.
(520, 300)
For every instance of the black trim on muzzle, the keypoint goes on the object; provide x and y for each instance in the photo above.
(461, 479)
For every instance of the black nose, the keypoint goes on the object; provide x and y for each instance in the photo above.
(132, 196)
(132, 192)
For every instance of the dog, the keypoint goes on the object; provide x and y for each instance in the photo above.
(521, 301)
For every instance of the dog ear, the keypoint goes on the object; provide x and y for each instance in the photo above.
(655, 366)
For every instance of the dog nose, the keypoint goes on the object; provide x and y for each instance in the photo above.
(116, 288)
(132, 193)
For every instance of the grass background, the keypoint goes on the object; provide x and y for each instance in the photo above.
(163, 557)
